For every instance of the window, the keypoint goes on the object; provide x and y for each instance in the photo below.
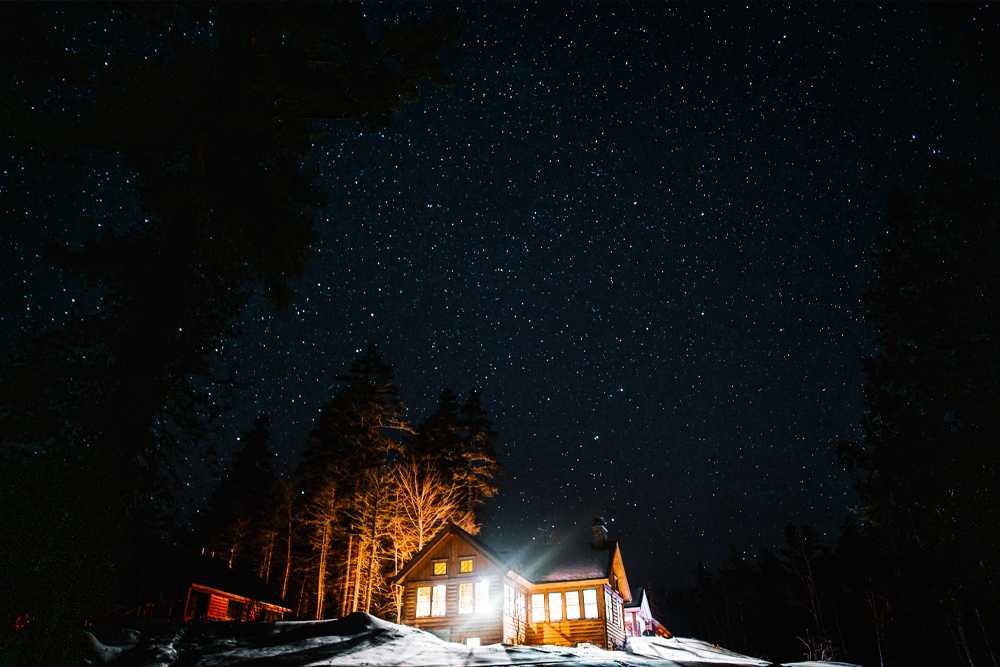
(538, 608)
(482, 597)
(555, 606)
(423, 601)
(465, 599)
(590, 603)
(522, 606)
(472, 641)
(466, 565)
(508, 601)
(572, 605)
(234, 610)
(440, 567)
(608, 612)
(438, 604)
(620, 613)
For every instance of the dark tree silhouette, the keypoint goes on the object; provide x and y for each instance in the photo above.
(931, 456)
(210, 110)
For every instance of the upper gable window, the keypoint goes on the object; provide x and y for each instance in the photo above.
(440, 567)
(466, 565)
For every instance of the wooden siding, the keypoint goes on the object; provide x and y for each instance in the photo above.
(569, 632)
(218, 607)
(614, 629)
(487, 625)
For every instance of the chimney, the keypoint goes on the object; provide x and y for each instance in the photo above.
(600, 532)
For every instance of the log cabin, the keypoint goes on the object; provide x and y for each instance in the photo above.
(189, 585)
(567, 592)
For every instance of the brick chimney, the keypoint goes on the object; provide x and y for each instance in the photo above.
(600, 532)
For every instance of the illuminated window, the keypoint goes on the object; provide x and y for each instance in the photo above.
(538, 608)
(441, 567)
(423, 601)
(590, 603)
(465, 599)
(620, 614)
(572, 605)
(522, 610)
(508, 601)
(438, 599)
(472, 641)
(482, 596)
(555, 606)
(608, 613)
(465, 565)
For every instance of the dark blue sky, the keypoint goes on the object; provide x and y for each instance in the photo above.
(643, 232)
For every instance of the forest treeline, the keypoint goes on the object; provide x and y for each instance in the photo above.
(370, 492)
(912, 577)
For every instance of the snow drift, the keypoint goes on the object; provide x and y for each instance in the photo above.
(360, 640)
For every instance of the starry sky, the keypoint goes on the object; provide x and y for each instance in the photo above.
(643, 232)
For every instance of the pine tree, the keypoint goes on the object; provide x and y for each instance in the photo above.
(238, 525)
(931, 456)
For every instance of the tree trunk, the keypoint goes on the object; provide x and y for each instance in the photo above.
(321, 577)
(288, 561)
(347, 576)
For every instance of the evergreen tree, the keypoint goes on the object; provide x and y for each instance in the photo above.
(345, 473)
(239, 525)
(458, 441)
(931, 457)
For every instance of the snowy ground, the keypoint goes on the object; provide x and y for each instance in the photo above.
(364, 641)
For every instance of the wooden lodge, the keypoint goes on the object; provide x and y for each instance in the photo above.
(566, 593)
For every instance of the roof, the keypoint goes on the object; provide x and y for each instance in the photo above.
(450, 529)
(567, 560)
(637, 596)
(572, 558)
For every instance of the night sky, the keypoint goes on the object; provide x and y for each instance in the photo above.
(643, 232)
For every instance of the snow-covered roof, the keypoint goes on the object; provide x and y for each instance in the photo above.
(568, 559)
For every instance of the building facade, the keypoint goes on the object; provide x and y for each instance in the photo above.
(563, 592)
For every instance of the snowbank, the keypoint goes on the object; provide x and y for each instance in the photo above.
(360, 640)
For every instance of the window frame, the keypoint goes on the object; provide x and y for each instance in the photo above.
(416, 609)
(471, 560)
(555, 610)
(481, 596)
(439, 604)
(576, 596)
(587, 605)
(443, 562)
(466, 598)
(535, 596)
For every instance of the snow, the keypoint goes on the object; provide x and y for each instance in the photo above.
(360, 640)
